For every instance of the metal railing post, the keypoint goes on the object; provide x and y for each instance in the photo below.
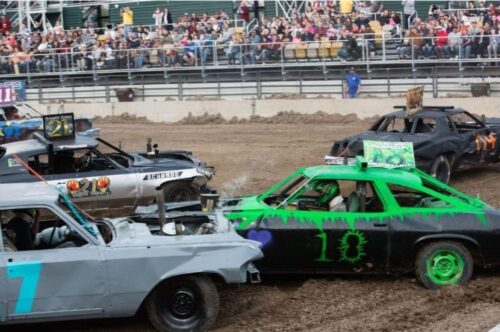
(388, 82)
(40, 92)
(179, 91)
(412, 55)
(435, 88)
(383, 46)
(214, 50)
(461, 51)
(60, 67)
(128, 65)
(94, 70)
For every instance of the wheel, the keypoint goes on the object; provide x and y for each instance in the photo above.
(188, 303)
(443, 263)
(441, 169)
(179, 191)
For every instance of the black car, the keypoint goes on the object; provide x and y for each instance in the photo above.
(444, 138)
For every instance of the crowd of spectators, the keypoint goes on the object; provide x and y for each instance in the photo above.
(194, 39)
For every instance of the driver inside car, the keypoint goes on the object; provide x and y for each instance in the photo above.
(329, 196)
(65, 162)
(21, 229)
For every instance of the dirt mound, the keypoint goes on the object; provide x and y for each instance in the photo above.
(124, 118)
(291, 117)
(285, 117)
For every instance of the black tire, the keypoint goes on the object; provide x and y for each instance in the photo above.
(179, 191)
(443, 263)
(441, 169)
(189, 303)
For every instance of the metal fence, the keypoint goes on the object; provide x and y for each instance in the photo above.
(167, 59)
(300, 83)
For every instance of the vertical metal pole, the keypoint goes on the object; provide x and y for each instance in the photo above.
(40, 92)
(214, 50)
(435, 82)
(460, 51)
(128, 64)
(412, 55)
(60, 67)
(383, 46)
(179, 91)
(388, 82)
(108, 97)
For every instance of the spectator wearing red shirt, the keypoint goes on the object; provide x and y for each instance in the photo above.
(442, 43)
(5, 24)
(244, 11)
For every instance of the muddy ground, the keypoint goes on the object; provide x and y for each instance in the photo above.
(249, 157)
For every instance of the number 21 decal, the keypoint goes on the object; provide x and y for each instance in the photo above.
(30, 273)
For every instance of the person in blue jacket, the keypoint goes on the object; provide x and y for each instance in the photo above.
(352, 84)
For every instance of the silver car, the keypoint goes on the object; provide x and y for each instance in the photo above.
(58, 265)
(99, 175)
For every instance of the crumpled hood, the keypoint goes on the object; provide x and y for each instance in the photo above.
(138, 234)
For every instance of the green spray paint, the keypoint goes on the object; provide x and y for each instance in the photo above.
(445, 268)
(324, 246)
(346, 247)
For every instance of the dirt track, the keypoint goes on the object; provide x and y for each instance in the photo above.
(250, 157)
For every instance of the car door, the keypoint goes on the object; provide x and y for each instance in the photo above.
(323, 241)
(55, 282)
(103, 184)
(477, 140)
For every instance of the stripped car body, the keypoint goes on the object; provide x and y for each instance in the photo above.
(390, 217)
(444, 139)
(107, 268)
(104, 180)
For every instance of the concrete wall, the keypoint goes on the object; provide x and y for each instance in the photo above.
(172, 111)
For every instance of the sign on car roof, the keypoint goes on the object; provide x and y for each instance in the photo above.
(389, 154)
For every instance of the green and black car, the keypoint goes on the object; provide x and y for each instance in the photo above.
(382, 221)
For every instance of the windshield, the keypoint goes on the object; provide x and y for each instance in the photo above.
(285, 190)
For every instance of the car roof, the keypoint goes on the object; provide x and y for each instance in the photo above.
(18, 194)
(353, 172)
(428, 112)
(79, 142)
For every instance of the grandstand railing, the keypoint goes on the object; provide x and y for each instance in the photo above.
(367, 53)
(296, 84)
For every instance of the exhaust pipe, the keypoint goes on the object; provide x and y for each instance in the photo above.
(209, 201)
(160, 200)
(149, 148)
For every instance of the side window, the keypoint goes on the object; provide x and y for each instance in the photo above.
(411, 198)
(36, 229)
(425, 125)
(39, 163)
(464, 122)
(396, 125)
(337, 196)
(70, 161)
